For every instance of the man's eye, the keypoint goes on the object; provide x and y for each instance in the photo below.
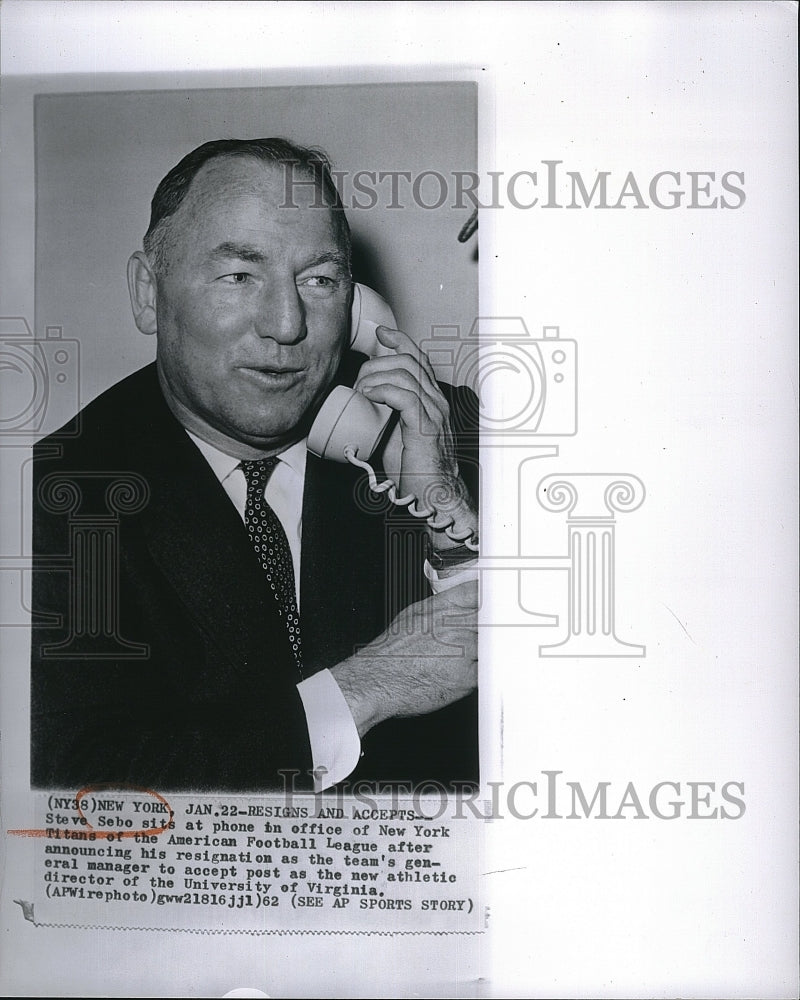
(236, 278)
(321, 281)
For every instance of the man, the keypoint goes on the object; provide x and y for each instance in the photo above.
(193, 668)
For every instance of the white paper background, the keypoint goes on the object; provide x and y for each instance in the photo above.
(686, 325)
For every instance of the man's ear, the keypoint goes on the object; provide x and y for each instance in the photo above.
(142, 290)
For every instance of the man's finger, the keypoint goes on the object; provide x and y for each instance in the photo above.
(414, 413)
(409, 364)
(403, 344)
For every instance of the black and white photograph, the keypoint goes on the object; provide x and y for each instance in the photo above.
(179, 661)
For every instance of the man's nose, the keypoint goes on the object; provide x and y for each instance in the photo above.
(282, 315)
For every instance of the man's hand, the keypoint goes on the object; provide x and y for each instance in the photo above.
(423, 454)
(408, 669)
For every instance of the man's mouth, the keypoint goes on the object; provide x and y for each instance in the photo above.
(273, 375)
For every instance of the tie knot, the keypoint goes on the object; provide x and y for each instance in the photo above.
(258, 471)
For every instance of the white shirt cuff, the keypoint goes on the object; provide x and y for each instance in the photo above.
(463, 573)
(335, 746)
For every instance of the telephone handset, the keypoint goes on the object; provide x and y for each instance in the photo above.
(346, 417)
(349, 427)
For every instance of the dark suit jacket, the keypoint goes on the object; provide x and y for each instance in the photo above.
(158, 658)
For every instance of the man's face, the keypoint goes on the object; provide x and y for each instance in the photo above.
(253, 306)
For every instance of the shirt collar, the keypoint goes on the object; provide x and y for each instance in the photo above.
(223, 465)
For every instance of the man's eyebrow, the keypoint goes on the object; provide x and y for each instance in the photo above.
(328, 257)
(238, 251)
(229, 250)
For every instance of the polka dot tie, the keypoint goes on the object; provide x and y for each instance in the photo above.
(272, 548)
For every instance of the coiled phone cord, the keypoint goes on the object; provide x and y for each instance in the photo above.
(429, 514)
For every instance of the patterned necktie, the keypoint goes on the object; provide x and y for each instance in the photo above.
(272, 548)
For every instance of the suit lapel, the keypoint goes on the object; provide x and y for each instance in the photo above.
(198, 540)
